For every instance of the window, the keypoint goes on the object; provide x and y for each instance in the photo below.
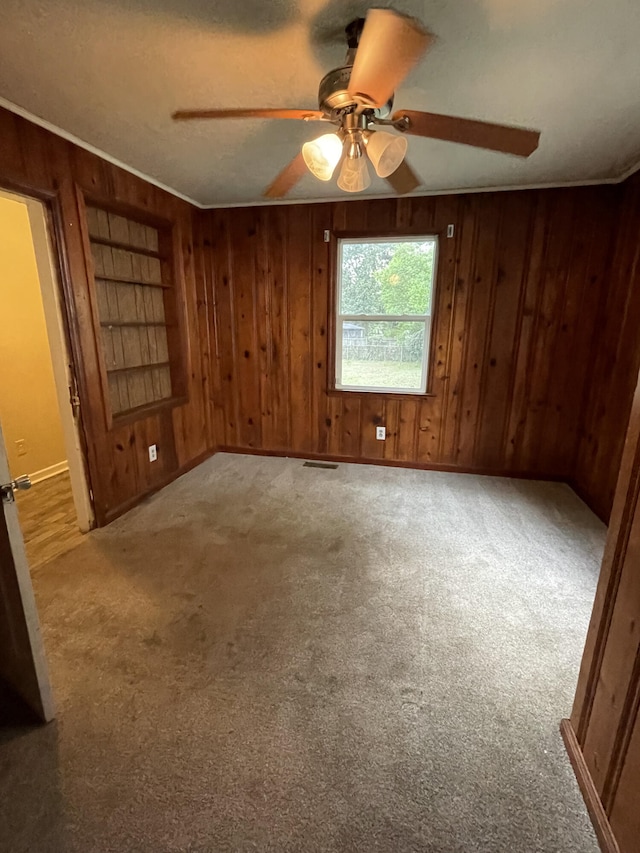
(383, 318)
(136, 302)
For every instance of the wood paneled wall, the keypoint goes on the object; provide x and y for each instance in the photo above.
(39, 163)
(613, 370)
(519, 291)
(603, 736)
(535, 348)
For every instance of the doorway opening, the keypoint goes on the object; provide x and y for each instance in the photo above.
(38, 402)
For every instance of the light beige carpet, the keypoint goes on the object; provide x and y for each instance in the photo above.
(278, 658)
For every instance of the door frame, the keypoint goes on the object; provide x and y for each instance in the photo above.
(45, 220)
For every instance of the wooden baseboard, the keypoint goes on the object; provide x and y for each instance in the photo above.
(114, 512)
(103, 518)
(395, 463)
(599, 819)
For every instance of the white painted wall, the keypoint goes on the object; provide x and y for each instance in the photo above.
(28, 401)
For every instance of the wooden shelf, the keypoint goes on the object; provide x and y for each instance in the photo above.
(138, 367)
(123, 279)
(147, 409)
(137, 250)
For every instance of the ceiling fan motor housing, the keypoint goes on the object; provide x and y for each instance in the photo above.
(334, 99)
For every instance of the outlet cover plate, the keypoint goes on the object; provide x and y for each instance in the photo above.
(381, 433)
(153, 452)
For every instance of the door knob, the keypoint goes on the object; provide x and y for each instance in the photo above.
(20, 484)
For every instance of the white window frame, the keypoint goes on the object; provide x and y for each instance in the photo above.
(425, 319)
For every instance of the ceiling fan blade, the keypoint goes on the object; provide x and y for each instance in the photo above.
(305, 115)
(389, 47)
(404, 179)
(287, 179)
(481, 134)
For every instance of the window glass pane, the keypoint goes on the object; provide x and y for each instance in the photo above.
(382, 354)
(384, 277)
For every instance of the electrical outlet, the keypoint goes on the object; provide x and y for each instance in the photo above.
(381, 433)
(153, 452)
(21, 447)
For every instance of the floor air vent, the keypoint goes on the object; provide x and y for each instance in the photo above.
(319, 465)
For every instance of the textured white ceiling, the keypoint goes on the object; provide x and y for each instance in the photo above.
(111, 72)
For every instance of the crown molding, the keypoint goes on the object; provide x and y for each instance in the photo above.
(596, 182)
(70, 137)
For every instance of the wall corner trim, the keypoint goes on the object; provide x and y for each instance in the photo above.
(599, 819)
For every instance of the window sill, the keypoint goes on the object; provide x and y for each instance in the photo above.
(391, 395)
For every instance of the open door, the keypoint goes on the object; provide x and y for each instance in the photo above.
(22, 661)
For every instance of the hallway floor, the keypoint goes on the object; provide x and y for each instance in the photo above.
(268, 657)
(48, 519)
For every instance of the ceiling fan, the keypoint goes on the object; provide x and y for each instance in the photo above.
(358, 99)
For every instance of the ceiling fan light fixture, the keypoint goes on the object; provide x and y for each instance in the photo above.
(386, 151)
(382, 50)
(322, 155)
(354, 174)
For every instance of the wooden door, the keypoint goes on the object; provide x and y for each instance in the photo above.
(23, 664)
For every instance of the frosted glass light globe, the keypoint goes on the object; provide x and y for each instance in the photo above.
(322, 155)
(386, 151)
(354, 175)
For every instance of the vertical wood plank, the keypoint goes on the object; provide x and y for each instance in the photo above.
(497, 388)
(299, 269)
(482, 278)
